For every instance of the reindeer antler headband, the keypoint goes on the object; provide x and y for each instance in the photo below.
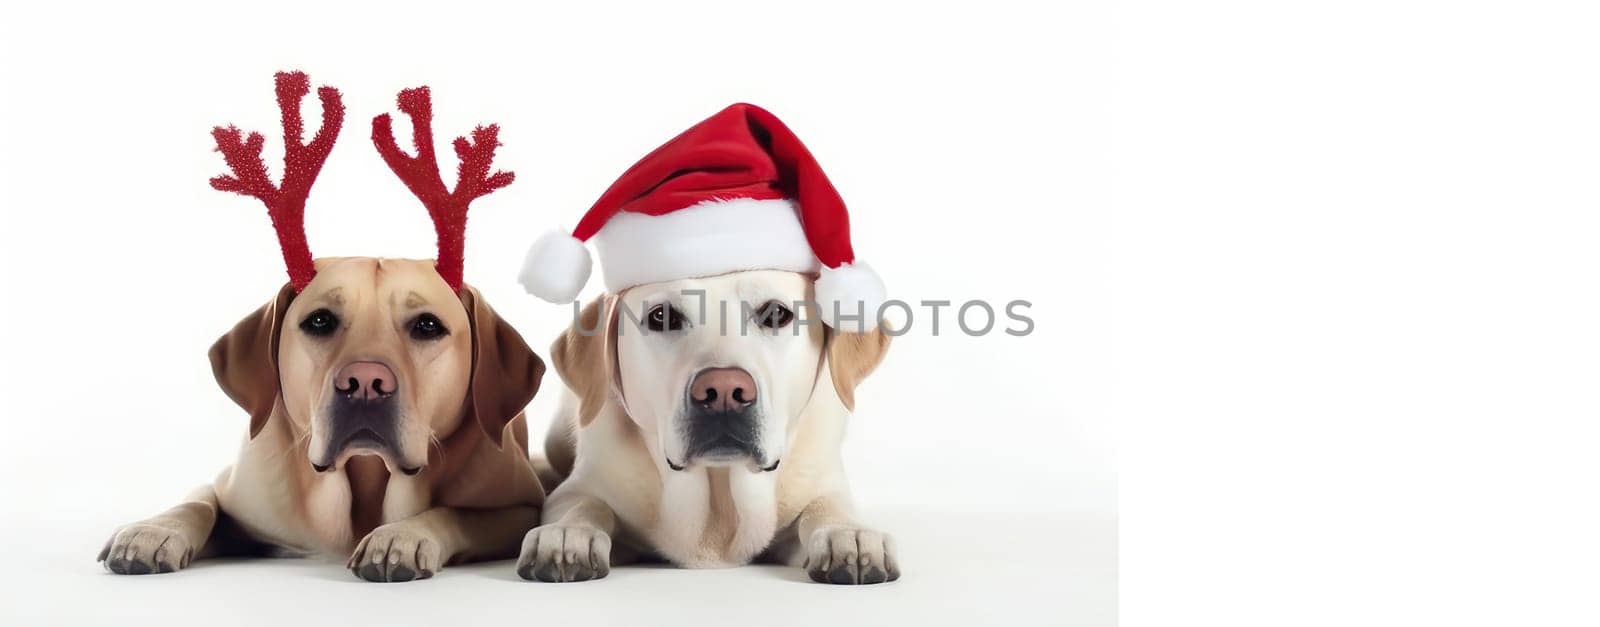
(286, 202)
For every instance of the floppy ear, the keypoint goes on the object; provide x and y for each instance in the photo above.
(853, 356)
(505, 372)
(584, 359)
(245, 359)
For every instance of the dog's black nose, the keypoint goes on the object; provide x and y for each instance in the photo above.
(723, 389)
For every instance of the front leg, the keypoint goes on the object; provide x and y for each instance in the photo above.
(576, 546)
(419, 546)
(838, 550)
(166, 542)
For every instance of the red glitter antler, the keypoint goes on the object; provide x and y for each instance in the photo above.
(421, 174)
(286, 203)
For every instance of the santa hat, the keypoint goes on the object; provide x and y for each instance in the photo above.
(735, 192)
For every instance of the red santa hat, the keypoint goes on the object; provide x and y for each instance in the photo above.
(735, 192)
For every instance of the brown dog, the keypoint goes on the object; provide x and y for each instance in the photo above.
(423, 458)
(384, 395)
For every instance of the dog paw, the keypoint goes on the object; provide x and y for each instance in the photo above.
(564, 553)
(850, 555)
(147, 547)
(396, 552)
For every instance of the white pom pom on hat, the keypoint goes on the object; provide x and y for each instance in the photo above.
(556, 268)
(850, 297)
(738, 191)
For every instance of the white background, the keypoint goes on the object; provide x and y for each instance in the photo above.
(1357, 325)
(1330, 266)
(973, 147)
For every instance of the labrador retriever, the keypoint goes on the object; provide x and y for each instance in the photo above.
(385, 397)
(702, 423)
(385, 424)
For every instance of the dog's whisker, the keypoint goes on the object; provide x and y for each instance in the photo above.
(292, 446)
(433, 441)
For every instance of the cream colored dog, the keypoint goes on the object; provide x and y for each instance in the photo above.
(385, 425)
(704, 425)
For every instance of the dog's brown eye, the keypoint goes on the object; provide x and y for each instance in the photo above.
(664, 318)
(428, 327)
(320, 323)
(773, 315)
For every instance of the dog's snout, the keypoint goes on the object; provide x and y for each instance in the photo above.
(365, 380)
(723, 389)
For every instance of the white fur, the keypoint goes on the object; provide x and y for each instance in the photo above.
(847, 291)
(621, 456)
(684, 513)
(755, 496)
(707, 239)
(556, 268)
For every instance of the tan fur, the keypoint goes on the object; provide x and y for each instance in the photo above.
(474, 497)
(618, 495)
(853, 356)
(582, 359)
